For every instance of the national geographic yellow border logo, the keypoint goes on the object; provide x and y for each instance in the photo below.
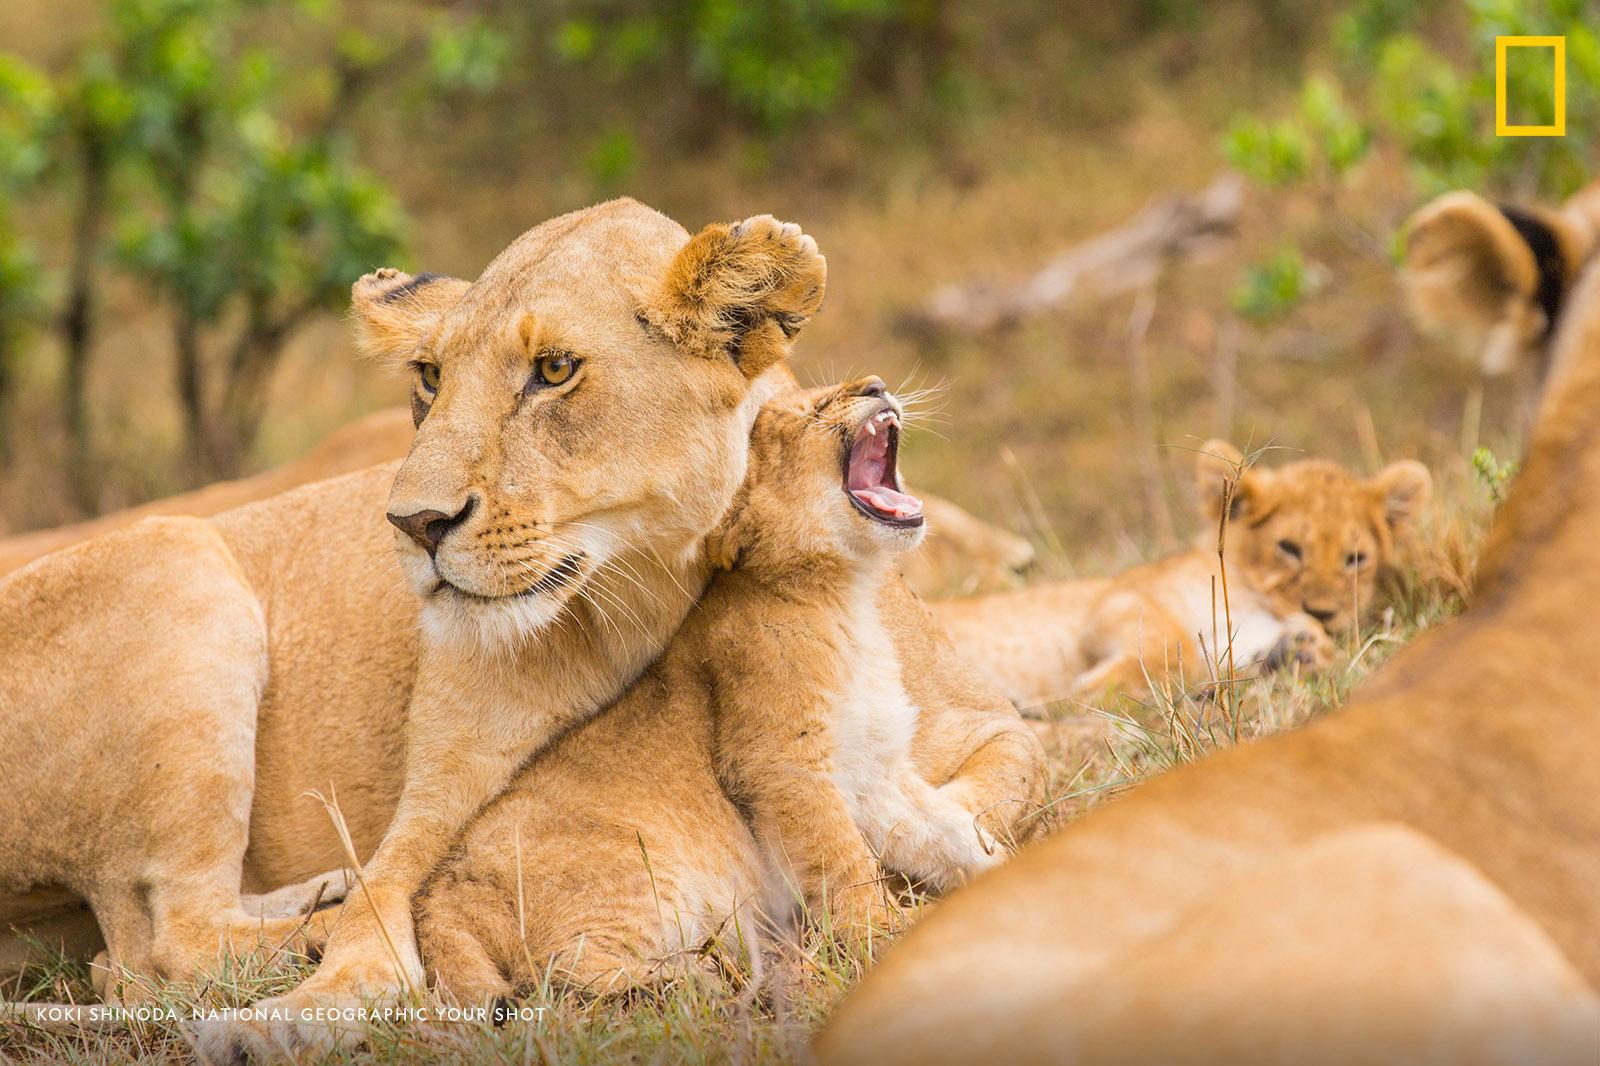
(1502, 128)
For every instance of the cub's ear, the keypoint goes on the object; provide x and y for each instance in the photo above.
(739, 292)
(1403, 490)
(1490, 279)
(394, 310)
(1221, 474)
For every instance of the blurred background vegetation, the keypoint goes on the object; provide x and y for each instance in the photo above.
(188, 187)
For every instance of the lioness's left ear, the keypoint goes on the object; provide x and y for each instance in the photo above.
(739, 292)
(1404, 489)
(394, 310)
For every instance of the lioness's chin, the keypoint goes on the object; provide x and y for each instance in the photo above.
(456, 618)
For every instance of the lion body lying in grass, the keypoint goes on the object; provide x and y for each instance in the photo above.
(773, 756)
(1408, 879)
(1305, 545)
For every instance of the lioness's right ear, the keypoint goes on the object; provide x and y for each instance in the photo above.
(1223, 478)
(1491, 279)
(394, 310)
(739, 292)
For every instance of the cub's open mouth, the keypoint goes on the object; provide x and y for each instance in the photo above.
(870, 477)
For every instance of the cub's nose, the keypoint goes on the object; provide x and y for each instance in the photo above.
(1324, 615)
(872, 386)
(428, 528)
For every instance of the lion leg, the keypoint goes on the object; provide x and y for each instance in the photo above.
(132, 773)
(1001, 783)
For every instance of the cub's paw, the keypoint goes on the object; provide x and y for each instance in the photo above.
(1304, 645)
(306, 897)
(783, 266)
(742, 290)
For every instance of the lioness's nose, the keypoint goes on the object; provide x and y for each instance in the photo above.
(872, 386)
(428, 528)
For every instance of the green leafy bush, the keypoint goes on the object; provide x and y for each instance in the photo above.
(1417, 78)
(203, 168)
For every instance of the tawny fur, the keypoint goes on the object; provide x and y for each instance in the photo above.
(380, 437)
(1477, 744)
(1305, 545)
(738, 779)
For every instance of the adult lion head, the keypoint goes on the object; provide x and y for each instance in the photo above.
(587, 399)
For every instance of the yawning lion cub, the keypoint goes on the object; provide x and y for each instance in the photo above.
(766, 760)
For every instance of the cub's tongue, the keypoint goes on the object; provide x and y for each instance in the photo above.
(892, 502)
(871, 478)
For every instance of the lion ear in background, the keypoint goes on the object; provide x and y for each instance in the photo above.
(1489, 278)
(739, 292)
(1403, 490)
(393, 311)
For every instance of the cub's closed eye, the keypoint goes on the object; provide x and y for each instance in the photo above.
(1289, 548)
(1356, 559)
(553, 368)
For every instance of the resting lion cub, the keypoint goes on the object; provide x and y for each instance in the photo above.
(766, 759)
(1305, 542)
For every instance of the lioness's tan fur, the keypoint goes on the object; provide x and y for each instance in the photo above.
(380, 437)
(765, 761)
(1480, 739)
(1305, 545)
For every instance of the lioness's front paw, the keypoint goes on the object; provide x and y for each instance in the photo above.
(291, 1027)
(328, 1012)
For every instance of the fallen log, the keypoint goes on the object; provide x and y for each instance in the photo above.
(1127, 258)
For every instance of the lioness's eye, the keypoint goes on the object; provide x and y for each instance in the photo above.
(428, 374)
(1356, 559)
(1289, 548)
(553, 368)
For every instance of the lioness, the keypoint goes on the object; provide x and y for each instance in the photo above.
(769, 752)
(171, 693)
(1408, 879)
(1305, 544)
(962, 553)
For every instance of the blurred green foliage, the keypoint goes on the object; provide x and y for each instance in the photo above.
(1493, 473)
(1269, 289)
(1417, 78)
(215, 175)
(774, 62)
